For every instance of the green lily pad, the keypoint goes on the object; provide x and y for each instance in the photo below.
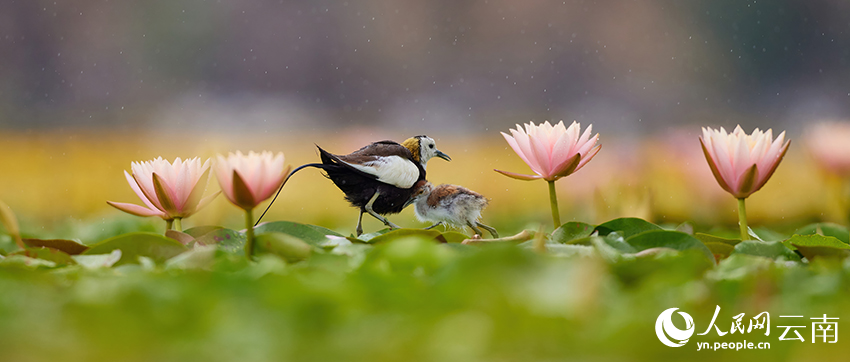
(25, 262)
(765, 234)
(369, 236)
(200, 257)
(826, 229)
(720, 247)
(199, 231)
(283, 245)
(132, 245)
(571, 231)
(405, 233)
(614, 241)
(686, 227)
(627, 226)
(767, 249)
(668, 239)
(454, 237)
(180, 237)
(819, 246)
(312, 234)
(231, 241)
(706, 238)
(98, 260)
(44, 253)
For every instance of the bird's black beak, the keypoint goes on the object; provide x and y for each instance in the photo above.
(444, 156)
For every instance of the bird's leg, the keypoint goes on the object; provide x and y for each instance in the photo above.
(433, 226)
(360, 223)
(475, 229)
(375, 214)
(489, 229)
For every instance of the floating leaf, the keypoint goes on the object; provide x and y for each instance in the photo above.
(283, 245)
(571, 231)
(605, 249)
(655, 252)
(404, 233)
(523, 238)
(99, 260)
(765, 234)
(454, 237)
(719, 246)
(819, 246)
(686, 227)
(231, 241)
(70, 247)
(668, 239)
(132, 245)
(569, 250)
(767, 249)
(706, 238)
(179, 236)
(57, 256)
(201, 257)
(368, 236)
(826, 229)
(613, 241)
(627, 226)
(199, 231)
(26, 262)
(312, 234)
(720, 250)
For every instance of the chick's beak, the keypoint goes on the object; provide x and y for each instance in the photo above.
(444, 156)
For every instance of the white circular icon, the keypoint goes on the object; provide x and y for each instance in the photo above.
(665, 328)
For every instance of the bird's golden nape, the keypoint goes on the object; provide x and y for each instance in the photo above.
(412, 144)
(424, 148)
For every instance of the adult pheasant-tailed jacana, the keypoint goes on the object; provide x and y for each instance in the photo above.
(379, 178)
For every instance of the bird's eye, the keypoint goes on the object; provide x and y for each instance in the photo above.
(431, 145)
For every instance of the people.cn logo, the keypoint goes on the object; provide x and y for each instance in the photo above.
(667, 331)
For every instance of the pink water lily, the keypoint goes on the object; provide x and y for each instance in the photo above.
(248, 180)
(168, 190)
(742, 163)
(552, 152)
(829, 145)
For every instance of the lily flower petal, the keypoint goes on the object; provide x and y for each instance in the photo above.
(742, 163)
(551, 151)
(135, 209)
(519, 176)
(172, 189)
(248, 180)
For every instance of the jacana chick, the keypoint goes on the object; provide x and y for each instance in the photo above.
(379, 178)
(452, 205)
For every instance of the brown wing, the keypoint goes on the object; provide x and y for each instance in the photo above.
(443, 191)
(375, 150)
(439, 193)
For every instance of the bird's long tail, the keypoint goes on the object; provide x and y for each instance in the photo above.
(299, 168)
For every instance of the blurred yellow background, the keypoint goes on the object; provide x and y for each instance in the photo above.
(52, 178)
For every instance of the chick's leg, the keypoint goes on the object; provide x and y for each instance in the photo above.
(475, 229)
(433, 226)
(489, 229)
(379, 217)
